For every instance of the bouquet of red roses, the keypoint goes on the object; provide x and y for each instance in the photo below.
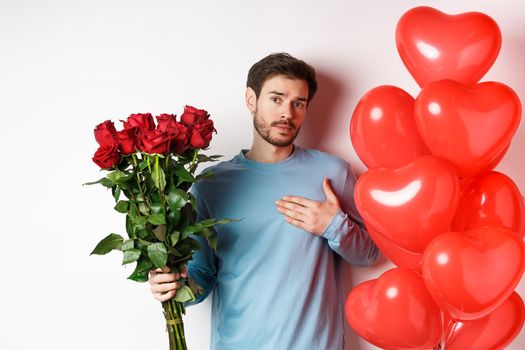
(151, 168)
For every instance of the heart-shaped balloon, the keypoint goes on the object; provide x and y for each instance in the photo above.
(469, 274)
(383, 130)
(395, 311)
(399, 256)
(491, 199)
(435, 46)
(409, 205)
(494, 331)
(469, 126)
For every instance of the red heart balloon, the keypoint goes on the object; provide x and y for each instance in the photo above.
(399, 256)
(409, 205)
(383, 130)
(494, 331)
(471, 273)
(469, 126)
(395, 311)
(491, 199)
(435, 46)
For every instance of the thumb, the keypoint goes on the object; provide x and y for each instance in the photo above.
(327, 187)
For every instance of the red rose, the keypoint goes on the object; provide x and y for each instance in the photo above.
(193, 115)
(107, 156)
(155, 141)
(201, 134)
(127, 140)
(142, 121)
(180, 134)
(165, 121)
(105, 133)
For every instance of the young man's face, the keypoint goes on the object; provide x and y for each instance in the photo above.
(280, 109)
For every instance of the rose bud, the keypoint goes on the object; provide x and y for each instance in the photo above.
(107, 156)
(165, 121)
(155, 141)
(202, 133)
(193, 115)
(105, 133)
(143, 121)
(127, 140)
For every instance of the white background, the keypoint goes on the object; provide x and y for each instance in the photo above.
(66, 66)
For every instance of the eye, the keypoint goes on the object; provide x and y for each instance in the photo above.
(275, 99)
(299, 104)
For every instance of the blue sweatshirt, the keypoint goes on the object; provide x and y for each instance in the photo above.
(276, 286)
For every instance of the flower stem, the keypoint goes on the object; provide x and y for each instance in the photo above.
(173, 313)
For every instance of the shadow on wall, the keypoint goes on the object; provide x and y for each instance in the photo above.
(321, 116)
(513, 164)
(321, 123)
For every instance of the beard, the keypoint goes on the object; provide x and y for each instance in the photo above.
(264, 129)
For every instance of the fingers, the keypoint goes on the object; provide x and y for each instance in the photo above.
(292, 210)
(164, 297)
(305, 202)
(328, 191)
(164, 285)
(298, 223)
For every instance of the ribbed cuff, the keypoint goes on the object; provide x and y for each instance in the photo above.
(338, 227)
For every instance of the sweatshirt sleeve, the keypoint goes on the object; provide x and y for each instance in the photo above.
(346, 233)
(203, 267)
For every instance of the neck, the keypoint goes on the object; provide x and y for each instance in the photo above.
(268, 153)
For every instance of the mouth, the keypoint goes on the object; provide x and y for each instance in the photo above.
(284, 128)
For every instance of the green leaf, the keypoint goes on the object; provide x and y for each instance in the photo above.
(156, 207)
(159, 179)
(128, 244)
(139, 221)
(104, 182)
(157, 219)
(139, 276)
(226, 221)
(207, 222)
(158, 254)
(112, 241)
(184, 294)
(205, 232)
(184, 174)
(123, 180)
(130, 255)
(122, 206)
(191, 229)
(117, 193)
(115, 175)
(177, 199)
(143, 208)
(174, 238)
(141, 270)
(143, 164)
(205, 175)
(144, 265)
(212, 241)
(175, 252)
(193, 243)
(160, 232)
(201, 158)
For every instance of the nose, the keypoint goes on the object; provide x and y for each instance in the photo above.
(287, 111)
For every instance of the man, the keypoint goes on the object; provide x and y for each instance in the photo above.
(276, 276)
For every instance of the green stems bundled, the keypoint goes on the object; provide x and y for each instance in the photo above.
(173, 311)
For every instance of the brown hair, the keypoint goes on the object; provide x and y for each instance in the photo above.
(281, 64)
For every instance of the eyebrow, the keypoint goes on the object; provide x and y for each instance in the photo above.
(282, 94)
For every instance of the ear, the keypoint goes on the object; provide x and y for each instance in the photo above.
(251, 99)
